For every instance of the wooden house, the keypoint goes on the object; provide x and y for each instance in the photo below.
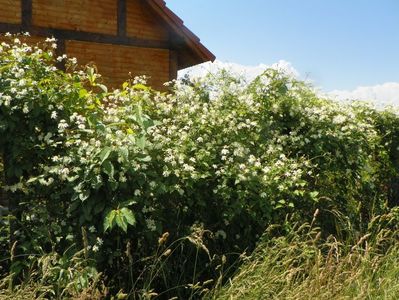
(141, 37)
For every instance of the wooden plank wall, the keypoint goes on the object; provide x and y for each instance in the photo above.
(30, 40)
(115, 62)
(141, 23)
(119, 36)
(85, 15)
(10, 11)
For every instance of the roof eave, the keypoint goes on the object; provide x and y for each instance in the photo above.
(195, 52)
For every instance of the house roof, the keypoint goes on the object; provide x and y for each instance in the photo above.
(185, 42)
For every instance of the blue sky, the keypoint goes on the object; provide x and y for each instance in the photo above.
(339, 44)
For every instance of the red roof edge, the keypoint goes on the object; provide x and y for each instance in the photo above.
(202, 54)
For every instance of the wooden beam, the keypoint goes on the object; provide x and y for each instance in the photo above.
(84, 36)
(26, 14)
(173, 64)
(61, 50)
(122, 18)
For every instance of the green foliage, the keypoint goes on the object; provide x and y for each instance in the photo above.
(300, 265)
(57, 276)
(120, 217)
(213, 163)
(70, 151)
(255, 152)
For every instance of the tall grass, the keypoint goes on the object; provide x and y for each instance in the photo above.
(298, 265)
(291, 261)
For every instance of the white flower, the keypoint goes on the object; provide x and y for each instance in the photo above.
(62, 125)
(151, 224)
(53, 115)
(92, 229)
(64, 173)
(50, 40)
(61, 58)
(339, 119)
(153, 184)
(95, 248)
(122, 178)
(188, 168)
(225, 151)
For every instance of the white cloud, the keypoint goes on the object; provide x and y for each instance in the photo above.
(381, 95)
(248, 72)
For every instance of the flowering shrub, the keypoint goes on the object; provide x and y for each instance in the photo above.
(70, 151)
(216, 159)
(239, 156)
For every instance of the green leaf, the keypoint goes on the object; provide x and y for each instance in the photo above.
(74, 205)
(108, 169)
(109, 220)
(141, 142)
(99, 207)
(103, 88)
(124, 154)
(128, 203)
(120, 221)
(99, 126)
(148, 123)
(113, 184)
(139, 116)
(128, 215)
(140, 86)
(83, 93)
(104, 154)
(144, 158)
(34, 179)
(314, 195)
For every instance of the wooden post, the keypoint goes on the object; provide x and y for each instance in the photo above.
(121, 21)
(173, 64)
(26, 14)
(61, 50)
